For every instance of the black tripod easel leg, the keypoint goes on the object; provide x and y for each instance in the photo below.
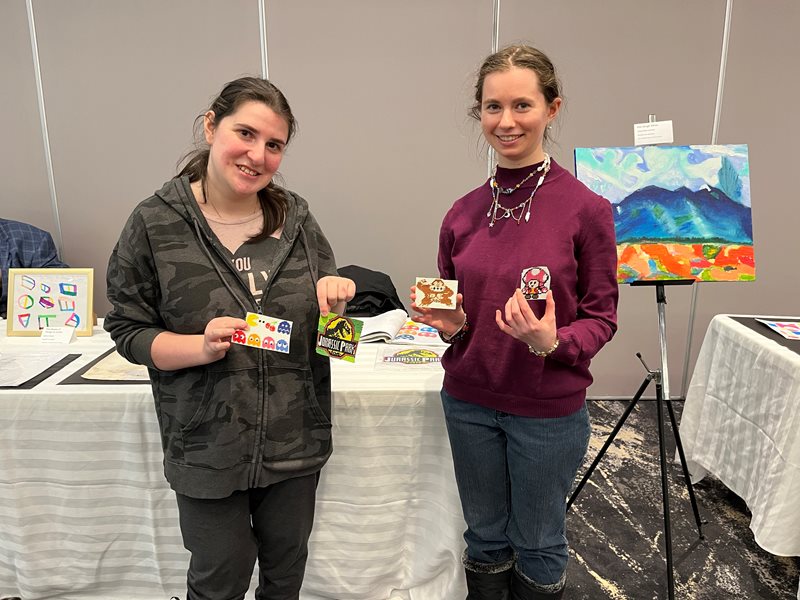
(685, 468)
(661, 377)
(610, 438)
(662, 451)
(654, 375)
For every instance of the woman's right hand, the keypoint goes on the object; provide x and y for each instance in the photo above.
(445, 320)
(172, 351)
(217, 336)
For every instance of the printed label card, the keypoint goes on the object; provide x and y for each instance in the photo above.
(337, 336)
(535, 283)
(436, 293)
(57, 335)
(266, 333)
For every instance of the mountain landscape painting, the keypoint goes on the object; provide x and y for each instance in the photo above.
(680, 212)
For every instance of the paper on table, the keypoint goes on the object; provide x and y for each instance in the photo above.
(418, 334)
(16, 369)
(383, 327)
(788, 329)
(115, 368)
(403, 356)
(395, 327)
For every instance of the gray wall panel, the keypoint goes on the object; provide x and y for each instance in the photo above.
(23, 171)
(123, 83)
(620, 61)
(381, 91)
(760, 109)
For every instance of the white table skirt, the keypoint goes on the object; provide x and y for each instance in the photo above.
(741, 422)
(85, 511)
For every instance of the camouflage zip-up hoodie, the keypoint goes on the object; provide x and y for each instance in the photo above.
(254, 417)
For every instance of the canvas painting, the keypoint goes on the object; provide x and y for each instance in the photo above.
(680, 212)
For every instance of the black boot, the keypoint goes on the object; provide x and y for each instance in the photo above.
(488, 586)
(522, 590)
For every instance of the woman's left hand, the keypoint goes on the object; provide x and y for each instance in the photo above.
(333, 294)
(521, 324)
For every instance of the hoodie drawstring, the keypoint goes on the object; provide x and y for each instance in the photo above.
(201, 238)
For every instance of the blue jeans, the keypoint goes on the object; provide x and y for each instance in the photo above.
(513, 475)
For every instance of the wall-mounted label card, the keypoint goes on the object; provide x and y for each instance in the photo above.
(57, 335)
(264, 332)
(433, 292)
(658, 132)
(337, 336)
(535, 283)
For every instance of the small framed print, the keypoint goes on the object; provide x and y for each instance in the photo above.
(39, 298)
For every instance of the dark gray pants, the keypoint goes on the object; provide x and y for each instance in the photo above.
(226, 536)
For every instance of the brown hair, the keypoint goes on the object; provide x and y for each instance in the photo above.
(232, 96)
(524, 57)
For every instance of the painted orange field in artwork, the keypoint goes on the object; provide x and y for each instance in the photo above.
(700, 262)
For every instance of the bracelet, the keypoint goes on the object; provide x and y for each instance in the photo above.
(543, 353)
(458, 334)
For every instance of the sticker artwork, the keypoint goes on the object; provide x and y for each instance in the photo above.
(413, 356)
(436, 293)
(535, 283)
(266, 333)
(337, 336)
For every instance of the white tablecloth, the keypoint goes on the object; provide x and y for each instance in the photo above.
(86, 513)
(741, 422)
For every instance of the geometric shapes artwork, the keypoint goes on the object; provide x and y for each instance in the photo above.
(39, 298)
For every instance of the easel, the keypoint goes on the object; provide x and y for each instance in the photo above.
(661, 378)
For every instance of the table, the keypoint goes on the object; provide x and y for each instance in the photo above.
(85, 511)
(741, 422)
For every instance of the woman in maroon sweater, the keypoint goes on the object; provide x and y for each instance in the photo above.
(517, 370)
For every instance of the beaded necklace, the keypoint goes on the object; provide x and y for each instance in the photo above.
(495, 207)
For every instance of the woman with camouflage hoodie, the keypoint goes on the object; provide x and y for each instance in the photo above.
(244, 431)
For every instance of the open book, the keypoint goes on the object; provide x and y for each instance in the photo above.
(394, 327)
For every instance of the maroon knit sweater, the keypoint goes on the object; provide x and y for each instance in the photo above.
(571, 231)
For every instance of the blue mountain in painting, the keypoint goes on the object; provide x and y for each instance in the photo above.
(654, 214)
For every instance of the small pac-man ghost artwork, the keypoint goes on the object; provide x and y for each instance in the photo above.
(265, 332)
(436, 293)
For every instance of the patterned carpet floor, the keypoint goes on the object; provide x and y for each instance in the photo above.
(616, 525)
